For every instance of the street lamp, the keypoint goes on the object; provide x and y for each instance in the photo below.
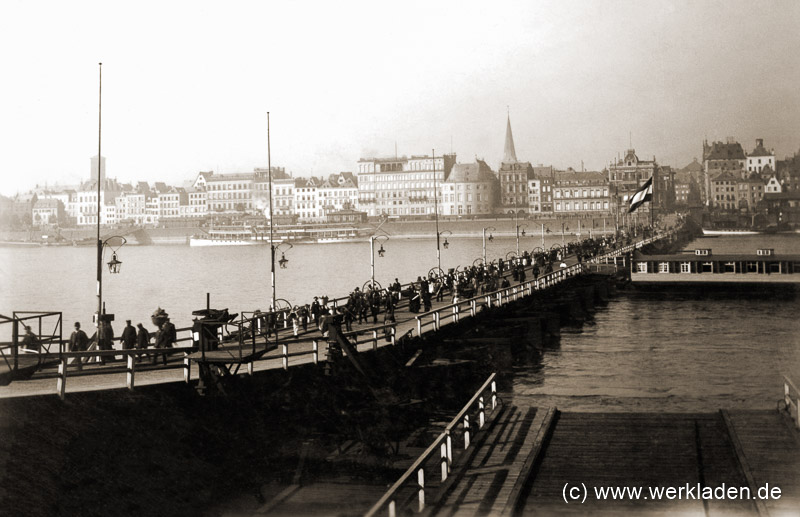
(491, 229)
(518, 226)
(114, 266)
(381, 239)
(282, 247)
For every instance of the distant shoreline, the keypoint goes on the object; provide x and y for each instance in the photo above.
(416, 229)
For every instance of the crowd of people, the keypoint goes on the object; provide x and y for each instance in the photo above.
(363, 305)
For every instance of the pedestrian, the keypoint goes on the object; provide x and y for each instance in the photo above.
(315, 310)
(78, 342)
(142, 340)
(105, 339)
(164, 339)
(128, 338)
(30, 341)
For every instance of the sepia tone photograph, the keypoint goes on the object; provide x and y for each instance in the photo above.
(368, 258)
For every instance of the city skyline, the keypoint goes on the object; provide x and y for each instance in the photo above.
(188, 90)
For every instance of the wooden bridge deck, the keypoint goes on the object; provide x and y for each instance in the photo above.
(528, 457)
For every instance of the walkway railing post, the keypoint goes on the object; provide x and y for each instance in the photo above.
(374, 340)
(187, 367)
(285, 356)
(466, 431)
(473, 307)
(443, 455)
(419, 325)
(62, 378)
(131, 370)
(315, 350)
(437, 320)
(481, 412)
(421, 485)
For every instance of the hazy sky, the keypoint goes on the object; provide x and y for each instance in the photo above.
(187, 84)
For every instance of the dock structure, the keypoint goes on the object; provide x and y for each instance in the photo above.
(55, 369)
(541, 461)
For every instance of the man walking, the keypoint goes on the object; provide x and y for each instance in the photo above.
(128, 338)
(142, 339)
(78, 342)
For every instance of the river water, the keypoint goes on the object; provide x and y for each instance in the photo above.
(679, 352)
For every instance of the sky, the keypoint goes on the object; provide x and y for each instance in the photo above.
(186, 85)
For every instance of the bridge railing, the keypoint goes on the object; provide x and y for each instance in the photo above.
(470, 306)
(438, 458)
(791, 399)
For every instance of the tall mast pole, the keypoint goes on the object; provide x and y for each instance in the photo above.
(271, 218)
(99, 179)
(436, 211)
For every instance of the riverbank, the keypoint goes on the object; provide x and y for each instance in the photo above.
(500, 226)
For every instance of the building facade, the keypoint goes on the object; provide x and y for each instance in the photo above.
(395, 187)
(470, 189)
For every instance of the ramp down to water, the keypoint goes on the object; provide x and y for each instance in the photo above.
(544, 462)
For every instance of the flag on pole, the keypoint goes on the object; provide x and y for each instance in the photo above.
(644, 194)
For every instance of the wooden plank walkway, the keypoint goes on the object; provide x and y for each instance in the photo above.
(492, 480)
(520, 469)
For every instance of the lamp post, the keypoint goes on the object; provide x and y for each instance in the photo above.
(518, 226)
(562, 233)
(491, 229)
(381, 251)
(114, 267)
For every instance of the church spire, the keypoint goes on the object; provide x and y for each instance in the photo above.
(509, 154)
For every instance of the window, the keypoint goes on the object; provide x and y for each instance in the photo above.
(730, 267)
(686, 267)
(707, 267)
(663, 267)
(641, 267)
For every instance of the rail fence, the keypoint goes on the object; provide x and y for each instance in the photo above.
(409, 492)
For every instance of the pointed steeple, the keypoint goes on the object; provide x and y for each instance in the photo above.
(509, 154)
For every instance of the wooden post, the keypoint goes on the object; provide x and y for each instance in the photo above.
(374, 340)
(392, 508)
(285, 356)
(455, 313)
(494, 395)
(473, 307)
(187, 368)
(131, 370)
(419, 325)
(443, 454)
(449, 452)
(394, 335)
(315, 350)
(62, 378)
(481, 413)
(421, 491)
(437, 321)
(250, 368)
(466, 431)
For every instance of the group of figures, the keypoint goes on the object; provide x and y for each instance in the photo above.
(362, 304)
(131, 338)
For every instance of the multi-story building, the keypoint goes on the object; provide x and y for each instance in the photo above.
(131, 207)
(581, 193)
(760, 157)
(773, 186)
(170, 201)
(514, 177)
(230, 193)
(47, 211)
(395, 187)
(687, 189)
(282, 192)
(723, 191)
(626, 175)
(196, 207)
(305, 200)
(469, 189)
(749, 193)
(338, 192)
(719, 158)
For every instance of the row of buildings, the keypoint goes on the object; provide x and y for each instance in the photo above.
(418, 186)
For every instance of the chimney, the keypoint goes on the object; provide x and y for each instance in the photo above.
(759, 142)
